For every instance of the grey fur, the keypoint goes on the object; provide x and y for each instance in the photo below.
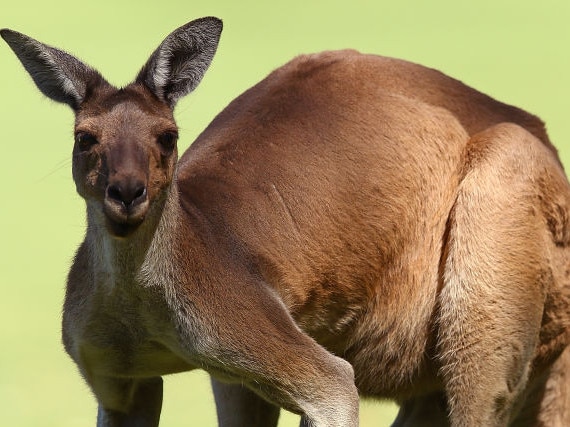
(177, 66)
(174, 69)
(59, 75)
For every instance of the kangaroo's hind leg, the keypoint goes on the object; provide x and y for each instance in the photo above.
(496, 272)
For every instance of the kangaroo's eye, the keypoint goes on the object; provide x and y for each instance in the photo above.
(167, 141)
(85, 140)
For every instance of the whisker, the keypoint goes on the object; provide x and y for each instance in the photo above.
(58, 166)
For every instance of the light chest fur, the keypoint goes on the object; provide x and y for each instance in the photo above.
(124, 325)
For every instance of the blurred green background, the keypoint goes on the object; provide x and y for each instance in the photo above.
(516, 51)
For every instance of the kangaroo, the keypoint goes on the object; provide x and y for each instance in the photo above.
(352, 225)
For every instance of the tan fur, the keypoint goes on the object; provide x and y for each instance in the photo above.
(348, 208)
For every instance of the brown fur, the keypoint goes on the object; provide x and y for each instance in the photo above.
(348, 207)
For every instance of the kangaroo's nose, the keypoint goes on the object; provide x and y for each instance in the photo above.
(129, 193)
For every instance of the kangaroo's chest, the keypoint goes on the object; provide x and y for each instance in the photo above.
(124, 332)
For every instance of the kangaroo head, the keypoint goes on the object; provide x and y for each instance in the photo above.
(125, 138)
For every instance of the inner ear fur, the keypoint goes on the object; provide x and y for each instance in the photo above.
(179, 63)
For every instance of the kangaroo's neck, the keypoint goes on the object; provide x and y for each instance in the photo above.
(128, 260)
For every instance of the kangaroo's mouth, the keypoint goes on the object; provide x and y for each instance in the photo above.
(122, 220)
(121, 229)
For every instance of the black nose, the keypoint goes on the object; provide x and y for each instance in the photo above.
(127, 193)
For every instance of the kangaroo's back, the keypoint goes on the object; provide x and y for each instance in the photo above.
(338, 73)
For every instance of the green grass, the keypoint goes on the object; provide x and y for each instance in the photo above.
(516, 51)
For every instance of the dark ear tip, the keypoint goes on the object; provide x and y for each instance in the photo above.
(14, 37)
(210, 21)
(6, 33)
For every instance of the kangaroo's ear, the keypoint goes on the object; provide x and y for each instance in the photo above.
(177, 66)
(59, 75)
